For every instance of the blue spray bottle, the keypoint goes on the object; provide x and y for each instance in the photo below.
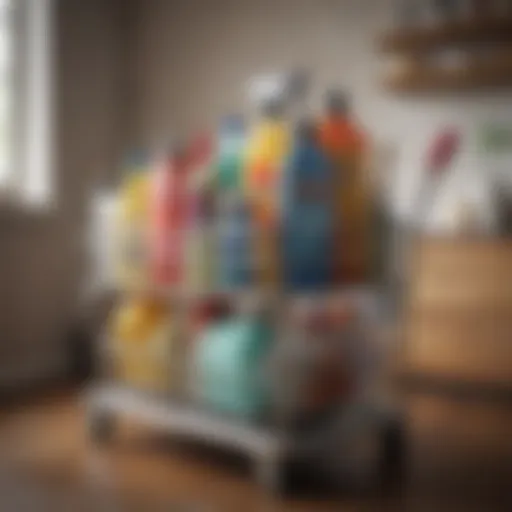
(308, 223)
(235, 234)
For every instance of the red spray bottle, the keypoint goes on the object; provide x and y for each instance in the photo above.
(170, 209)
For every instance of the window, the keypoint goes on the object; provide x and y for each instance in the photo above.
(5, 87)
(26, 99)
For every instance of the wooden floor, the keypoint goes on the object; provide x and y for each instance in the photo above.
(460, 458)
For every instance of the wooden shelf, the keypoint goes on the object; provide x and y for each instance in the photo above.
(474, 77)
(423, 39)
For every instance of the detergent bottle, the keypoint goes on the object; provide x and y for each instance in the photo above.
(345, 144)
(142, 339)
(173, 201)
(229, 358)
(267, 149)
(132, 223)
(308, 229)
(230, 153)
(235, 230)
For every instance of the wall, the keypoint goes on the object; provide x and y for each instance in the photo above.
(138, 75)
(194, 58)
(42, 259)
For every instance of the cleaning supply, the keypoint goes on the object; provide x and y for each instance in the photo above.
(200, 258)
(103, 232)
(267, 148)
(132, 222)
(439, 159)
(200, 234)
(230, 154)
(208, 310)
(228, 365)
(308, 231)
(308, 370)
(235, 237)
(141, 339)
(169, 216)
(172, 202)
(345, 144)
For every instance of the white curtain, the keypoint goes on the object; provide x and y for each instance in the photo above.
(27, 162)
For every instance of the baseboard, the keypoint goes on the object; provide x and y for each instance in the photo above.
(29, 373)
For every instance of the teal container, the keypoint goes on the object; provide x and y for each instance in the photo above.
(229, 359)
(230, 156)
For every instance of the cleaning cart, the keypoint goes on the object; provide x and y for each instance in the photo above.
(283, 363)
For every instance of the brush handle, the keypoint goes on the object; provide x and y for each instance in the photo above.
(405, 235)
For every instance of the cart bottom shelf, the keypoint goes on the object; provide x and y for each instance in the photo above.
(266, 447)
(340, 449)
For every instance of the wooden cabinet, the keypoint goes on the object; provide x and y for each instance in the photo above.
(459, 318)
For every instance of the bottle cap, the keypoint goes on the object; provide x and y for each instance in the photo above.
(338, 102)
(273, 108)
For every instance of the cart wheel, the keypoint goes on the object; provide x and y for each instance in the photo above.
(395, 450)
(363, 458)
(100, 426)
(354, 449)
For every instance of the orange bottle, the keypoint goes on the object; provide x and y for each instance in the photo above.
(345, 143)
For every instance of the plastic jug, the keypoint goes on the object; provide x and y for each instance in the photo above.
(228, 366)
(142, 339)
(345, 145)
(307, 213)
